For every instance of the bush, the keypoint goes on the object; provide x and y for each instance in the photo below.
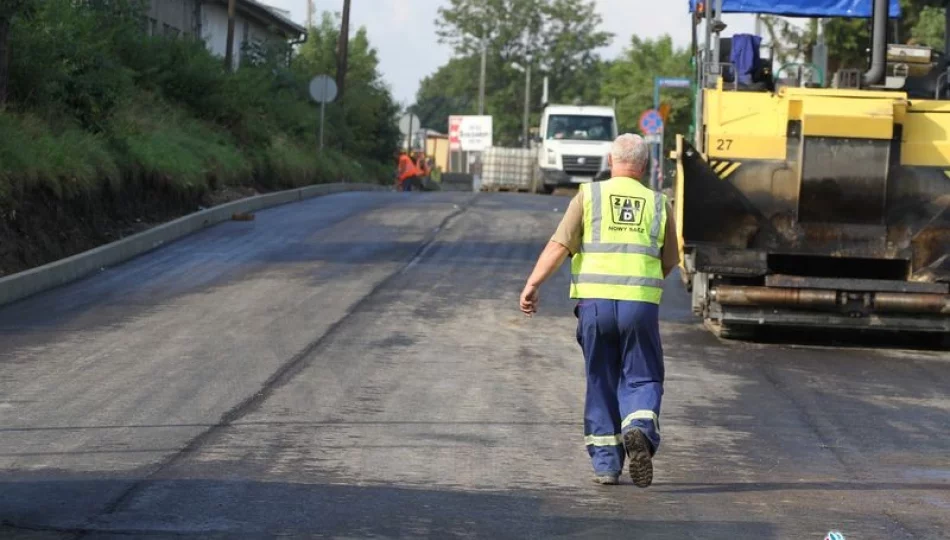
(93, 100)
(159, 142)
(180, 70)
(63, 61)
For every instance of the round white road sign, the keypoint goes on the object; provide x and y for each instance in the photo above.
(323, 89)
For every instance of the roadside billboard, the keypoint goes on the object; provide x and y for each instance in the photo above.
(470, 133)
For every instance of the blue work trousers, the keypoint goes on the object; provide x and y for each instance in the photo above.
(624, 360)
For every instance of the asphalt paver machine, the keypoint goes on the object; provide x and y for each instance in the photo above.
(815, 201)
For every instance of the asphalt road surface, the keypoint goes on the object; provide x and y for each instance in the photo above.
(355, 366)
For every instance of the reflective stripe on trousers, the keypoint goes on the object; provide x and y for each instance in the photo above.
(603, 440)
(642, 414)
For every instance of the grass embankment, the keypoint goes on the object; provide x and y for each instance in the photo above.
(109, 131)
(156, 144)
(64, 189)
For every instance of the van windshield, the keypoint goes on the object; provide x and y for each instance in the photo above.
(580, 127)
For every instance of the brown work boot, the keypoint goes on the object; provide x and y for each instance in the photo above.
(639, 454)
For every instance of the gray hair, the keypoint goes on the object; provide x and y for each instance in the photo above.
(630, 149)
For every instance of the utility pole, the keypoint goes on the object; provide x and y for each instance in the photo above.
(4, 57)
(946, 38)
(229, 50)
(343, 47)
(527, 101)
(309, 14)
(481, 79)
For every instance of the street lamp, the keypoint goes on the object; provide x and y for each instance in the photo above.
(527, 97)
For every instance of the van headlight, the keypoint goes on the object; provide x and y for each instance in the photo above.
(552, 157)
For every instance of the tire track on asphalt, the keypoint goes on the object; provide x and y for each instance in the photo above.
(284, 374)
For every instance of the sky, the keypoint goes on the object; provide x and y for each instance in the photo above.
(403, 31)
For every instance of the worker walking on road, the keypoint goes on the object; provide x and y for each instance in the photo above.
(623, 244)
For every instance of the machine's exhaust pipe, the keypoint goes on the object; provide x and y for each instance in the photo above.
(733, 295)
(913, 303)
(875, 74)
(878, 302)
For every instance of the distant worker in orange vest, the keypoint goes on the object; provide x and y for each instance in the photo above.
(406, 172)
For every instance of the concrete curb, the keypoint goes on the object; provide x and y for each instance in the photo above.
(27, 283)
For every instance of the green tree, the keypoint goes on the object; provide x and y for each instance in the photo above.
(558, 38)
(848, 40)
(8, 10)
(929, 29)
(570, 37)
(629, 81)
(366, 122)
(921, 19)
(790, 42)
(453, 89)
(67, 59)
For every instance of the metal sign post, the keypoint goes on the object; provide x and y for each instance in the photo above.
(323, 90)
(651, 124)
(656, 175)
(323, 108)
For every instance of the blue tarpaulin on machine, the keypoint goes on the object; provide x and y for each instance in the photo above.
(801, 8)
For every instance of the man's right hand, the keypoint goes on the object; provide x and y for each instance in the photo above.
(529, 300)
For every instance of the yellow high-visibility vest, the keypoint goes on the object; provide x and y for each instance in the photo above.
(624, 228)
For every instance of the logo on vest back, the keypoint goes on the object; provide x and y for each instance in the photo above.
(627, 210)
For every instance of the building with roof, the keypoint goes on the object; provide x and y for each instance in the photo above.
(254, 23)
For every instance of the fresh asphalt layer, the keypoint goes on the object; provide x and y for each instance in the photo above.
(356, 366)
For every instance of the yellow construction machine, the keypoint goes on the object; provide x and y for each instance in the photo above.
(812, 201)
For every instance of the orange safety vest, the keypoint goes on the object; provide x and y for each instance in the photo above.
(407, 169)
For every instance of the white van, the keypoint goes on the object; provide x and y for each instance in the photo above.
(574, 143)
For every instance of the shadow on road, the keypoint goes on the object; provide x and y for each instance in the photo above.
(222, 508)
(850, 339)
(701, 489)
